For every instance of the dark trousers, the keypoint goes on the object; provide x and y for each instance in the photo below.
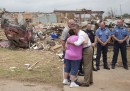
(103, 50)
(81, 66)
(122, 48)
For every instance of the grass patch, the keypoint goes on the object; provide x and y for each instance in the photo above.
(48, 70)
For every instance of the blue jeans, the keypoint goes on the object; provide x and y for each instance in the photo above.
(72, 66)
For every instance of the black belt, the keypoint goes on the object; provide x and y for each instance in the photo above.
(87, 47)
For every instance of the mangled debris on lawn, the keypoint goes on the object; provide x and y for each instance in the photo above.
(35, 37)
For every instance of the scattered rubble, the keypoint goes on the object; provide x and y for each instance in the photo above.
(56, 47)
(60, 55)
(41, 39)
(27, 65)
(4, 43)
(32, 66)
(13, 69)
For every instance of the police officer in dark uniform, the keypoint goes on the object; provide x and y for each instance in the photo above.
(103, 35)
(92, 39)
(120, 35)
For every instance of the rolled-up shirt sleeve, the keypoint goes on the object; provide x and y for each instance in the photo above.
(80, 41)
(64, 34)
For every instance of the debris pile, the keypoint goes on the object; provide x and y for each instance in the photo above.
(43, 38)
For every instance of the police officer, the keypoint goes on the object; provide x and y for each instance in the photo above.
(120, 35)
(91, 35)
(103, 37)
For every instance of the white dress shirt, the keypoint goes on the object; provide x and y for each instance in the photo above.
(82, 37)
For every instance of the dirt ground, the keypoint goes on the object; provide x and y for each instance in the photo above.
(107, 80)
(11, 85)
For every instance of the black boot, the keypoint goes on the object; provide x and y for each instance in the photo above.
(126, 67)
(98, 68)
(106, 67)
(81, 73)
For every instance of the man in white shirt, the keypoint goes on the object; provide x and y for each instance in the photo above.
(87, 54)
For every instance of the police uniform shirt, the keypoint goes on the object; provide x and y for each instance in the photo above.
(120, 32)
(103, 34)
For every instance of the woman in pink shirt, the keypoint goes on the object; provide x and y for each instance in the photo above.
(73, 56)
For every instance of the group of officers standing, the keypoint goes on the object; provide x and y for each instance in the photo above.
(100, 38)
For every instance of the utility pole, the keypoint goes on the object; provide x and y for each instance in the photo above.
(121, 11)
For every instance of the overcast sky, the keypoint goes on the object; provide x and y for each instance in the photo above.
(50, 5)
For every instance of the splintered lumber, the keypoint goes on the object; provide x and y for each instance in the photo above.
(56, 47)
(31, 67)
